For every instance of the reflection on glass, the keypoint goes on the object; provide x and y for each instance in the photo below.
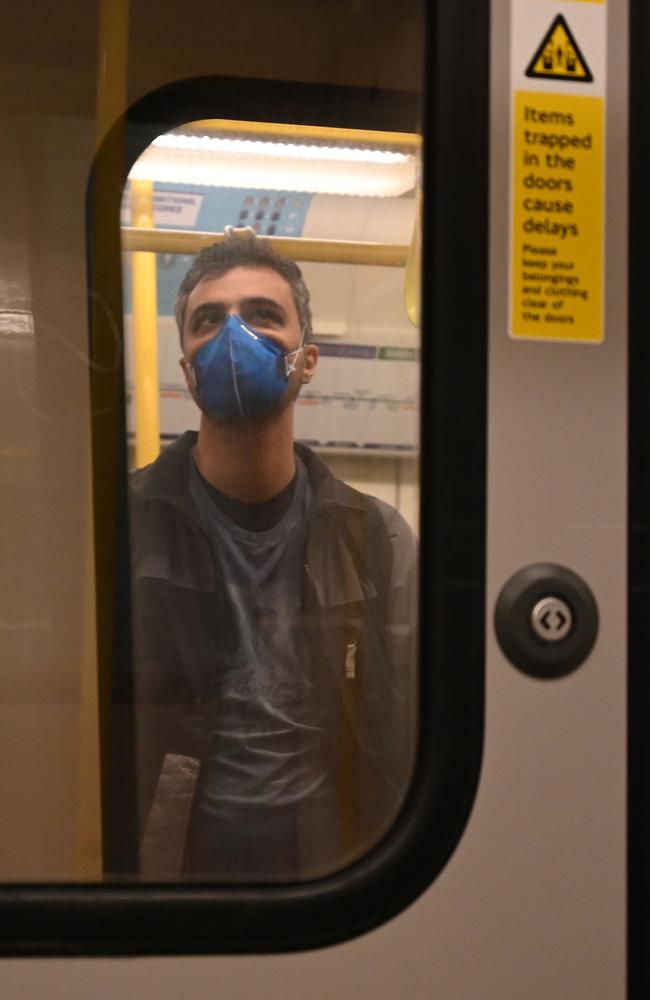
(271, 721)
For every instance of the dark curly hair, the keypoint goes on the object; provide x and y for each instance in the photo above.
(244, 251)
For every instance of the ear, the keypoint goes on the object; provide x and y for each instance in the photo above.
(310, 354)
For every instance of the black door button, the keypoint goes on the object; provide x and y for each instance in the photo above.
(546, 620)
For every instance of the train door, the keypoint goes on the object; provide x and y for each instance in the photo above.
(488, 292)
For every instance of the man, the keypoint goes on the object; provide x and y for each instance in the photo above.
(273, 608)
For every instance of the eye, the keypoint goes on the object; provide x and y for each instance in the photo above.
(206, 320)
(263, 316)
(207, 323)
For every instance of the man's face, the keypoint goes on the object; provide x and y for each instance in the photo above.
(264, 301)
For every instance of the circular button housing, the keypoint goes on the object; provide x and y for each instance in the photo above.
(546, 620)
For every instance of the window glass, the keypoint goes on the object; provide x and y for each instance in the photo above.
(112, 646)
(263, 726)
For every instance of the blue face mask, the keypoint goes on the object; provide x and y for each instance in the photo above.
(240, 374)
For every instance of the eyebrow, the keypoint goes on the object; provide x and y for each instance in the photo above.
(261, 300)
(219, 308)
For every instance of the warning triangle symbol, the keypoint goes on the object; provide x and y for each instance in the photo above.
(559, 57)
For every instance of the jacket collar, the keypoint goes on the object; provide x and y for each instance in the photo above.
(330, 562)
(166, 479)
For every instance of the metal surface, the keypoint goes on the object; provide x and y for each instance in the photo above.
(551, 619)
(554, 771)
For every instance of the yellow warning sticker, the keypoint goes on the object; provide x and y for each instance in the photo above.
(557, 219)
(558, 56)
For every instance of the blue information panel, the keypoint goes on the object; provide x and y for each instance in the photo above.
(185, 206)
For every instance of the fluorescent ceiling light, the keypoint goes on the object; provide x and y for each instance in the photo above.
(275, 166)
(286, 150)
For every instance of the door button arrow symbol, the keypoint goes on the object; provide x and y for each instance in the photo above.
(554, 620)
(551, 619)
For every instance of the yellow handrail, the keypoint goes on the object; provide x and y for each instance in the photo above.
(321, 251)
(311, 133)
(145, 332)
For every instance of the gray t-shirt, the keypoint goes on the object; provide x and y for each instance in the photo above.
(269, 758)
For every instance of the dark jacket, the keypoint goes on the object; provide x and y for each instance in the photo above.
(359, 594)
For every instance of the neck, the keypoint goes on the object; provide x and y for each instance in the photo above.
(249, 464)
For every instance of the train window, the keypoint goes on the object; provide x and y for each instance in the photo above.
(244, 327)
(272, 708)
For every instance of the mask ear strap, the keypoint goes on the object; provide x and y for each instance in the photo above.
(291, 365)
